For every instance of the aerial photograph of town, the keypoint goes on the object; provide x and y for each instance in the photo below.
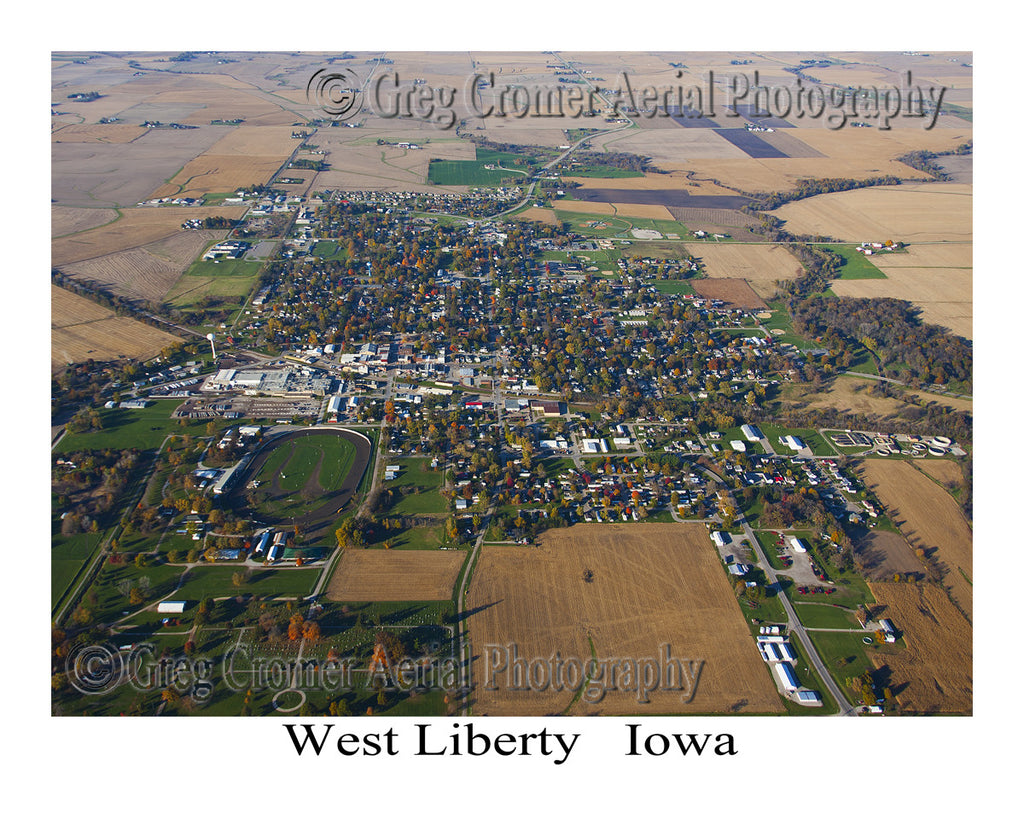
(465, 384)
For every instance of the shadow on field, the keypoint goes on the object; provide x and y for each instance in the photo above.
(465, 615)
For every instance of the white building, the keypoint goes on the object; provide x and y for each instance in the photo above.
(792, 442)
(751, 432)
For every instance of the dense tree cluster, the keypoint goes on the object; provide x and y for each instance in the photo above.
(805, 188)
(88, 485)
(904, 347)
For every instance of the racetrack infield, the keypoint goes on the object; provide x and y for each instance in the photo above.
(653, 585)
(325, 504)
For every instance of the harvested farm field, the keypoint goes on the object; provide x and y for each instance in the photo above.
(609, 209)
(697, 218)
(113, 133)
(64, 221)
(121, 174)
(736, 292)
(546, 216)
(944, 295)
(370, 575)
(134, 228)
(80, 330)
(212, 173)
(905, 213)
(597, 592)
(947, 472)
(934, 673)
(242, 157)
(675, 198)
(929, 518)
(755, 263)
(145, 272)
(883, 554)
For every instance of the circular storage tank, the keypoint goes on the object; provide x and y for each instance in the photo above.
(941, 440)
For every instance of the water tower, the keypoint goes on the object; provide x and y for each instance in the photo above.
(213, 347)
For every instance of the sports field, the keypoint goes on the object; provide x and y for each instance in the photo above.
(305, 478)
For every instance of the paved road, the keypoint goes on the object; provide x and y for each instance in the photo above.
(949, 393)
(793, 624)
(464, 643)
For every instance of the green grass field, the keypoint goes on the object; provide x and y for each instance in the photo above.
(781, 320)
(824, 615)
(663, 226)
(295, 462)
(601, 172)
(217, 198)
(844, 654)
(673, 288)
(603, 225)
(226, 279)
(67, 557)
(416, 489)
(473, 172)
(855, 265)
(864, 362)
(215, 581)
(818, 445)
(329, 251)
(134, 429)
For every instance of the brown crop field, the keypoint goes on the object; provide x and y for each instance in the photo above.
(114, 133)
(883, 554)
(367, 574)
(934, 673)
(761, 265)
(904, 213)
(66, 221)
(357, 162)
(732, 291)
(928, 518)
(944, 470)
(960, 255)
(652, 182)
(615, 209)
(215, 173)
(651, 586)
(696, 218)
(244, 156)
(147, 272)
(944, 295)
(80, 330)
(853, 153)
(545, 216)
(136, 227)
(675, 149)
(102, 174)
